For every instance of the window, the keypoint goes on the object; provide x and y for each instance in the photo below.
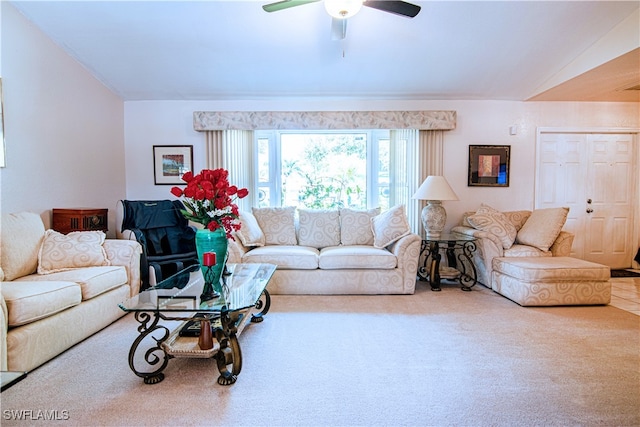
(324, 169)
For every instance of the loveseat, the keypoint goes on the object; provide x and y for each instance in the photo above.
(521, 233)
(56, 289)
(339, 251)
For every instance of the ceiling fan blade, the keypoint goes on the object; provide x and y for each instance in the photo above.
(401, 8)
(286, 4)
(338, 29)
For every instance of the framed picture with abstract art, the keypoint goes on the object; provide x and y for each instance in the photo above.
(489, 165)
(170, 162)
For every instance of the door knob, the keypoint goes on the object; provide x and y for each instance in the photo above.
(589, 210)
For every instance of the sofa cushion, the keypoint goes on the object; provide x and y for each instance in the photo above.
(318, 228)
(28, 301)
(277, 224)
(92, 281)
(356, 256)
(250, 233)
(390, 226)
(285, 257)
(355, 226)
(495, 222)
(561, 269)
(542, 228)
(525, 251)
(78, 249)
(22, 235)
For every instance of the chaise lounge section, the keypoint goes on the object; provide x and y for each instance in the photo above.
(514, 234)
(551, 281)
(524, 256)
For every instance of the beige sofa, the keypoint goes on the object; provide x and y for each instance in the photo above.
(341, 251)
(57, 290)
(520, 233)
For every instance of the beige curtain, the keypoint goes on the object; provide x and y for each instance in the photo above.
(431, 157)
(233, 150)
(430, 162)
(238, 159)
(213, 149)
(404, 156)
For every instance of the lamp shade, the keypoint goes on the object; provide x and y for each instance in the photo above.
(342, 9)
(435, 188)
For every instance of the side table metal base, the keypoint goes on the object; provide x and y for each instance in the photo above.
(458, 249)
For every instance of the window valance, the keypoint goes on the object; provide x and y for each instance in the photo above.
(266, 120)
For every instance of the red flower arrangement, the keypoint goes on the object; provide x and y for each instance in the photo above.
(209, 199)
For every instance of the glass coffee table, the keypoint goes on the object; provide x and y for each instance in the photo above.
(176, 322)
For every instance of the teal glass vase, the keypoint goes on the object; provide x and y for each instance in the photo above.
(212, 241)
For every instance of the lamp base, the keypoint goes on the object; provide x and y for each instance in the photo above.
(434, 217)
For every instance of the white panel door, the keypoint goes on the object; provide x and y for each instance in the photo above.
(593, 175)
(609, 203)
(561, 169)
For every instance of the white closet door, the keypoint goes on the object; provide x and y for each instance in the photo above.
(593, 175)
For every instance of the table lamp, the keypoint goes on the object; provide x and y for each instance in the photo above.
(434, 190)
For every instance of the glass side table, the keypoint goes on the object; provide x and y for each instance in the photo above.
(458, 249)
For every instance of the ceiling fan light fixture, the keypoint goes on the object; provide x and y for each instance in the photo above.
(342, 9)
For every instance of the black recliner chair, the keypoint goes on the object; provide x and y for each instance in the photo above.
(167, 239)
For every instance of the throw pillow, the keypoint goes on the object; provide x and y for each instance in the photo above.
(542, 228)
(250, 233)
(517, 218)
(277, 224)
(22, 235)
(355, 226)
(465, 221)
(319, 228)
(78, 249)
(390, 226)
(495, 222)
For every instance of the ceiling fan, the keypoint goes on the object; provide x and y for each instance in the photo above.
(341, 10)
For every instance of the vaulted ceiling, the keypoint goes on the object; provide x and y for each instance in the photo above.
(211, 50)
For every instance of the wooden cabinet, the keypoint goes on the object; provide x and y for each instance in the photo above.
(79, 219)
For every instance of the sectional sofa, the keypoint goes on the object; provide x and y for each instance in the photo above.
(521, 233)
(56, 289)
(340, 251)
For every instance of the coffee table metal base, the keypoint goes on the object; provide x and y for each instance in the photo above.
(149, 360)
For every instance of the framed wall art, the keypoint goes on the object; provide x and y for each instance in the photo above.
(170, 162)
(489, 165)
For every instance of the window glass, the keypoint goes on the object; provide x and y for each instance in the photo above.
(323, 169)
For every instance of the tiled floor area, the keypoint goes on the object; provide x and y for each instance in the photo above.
(625, 293)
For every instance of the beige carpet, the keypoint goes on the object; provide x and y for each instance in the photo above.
(434, 358)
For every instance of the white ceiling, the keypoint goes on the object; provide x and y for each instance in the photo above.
(210, 50)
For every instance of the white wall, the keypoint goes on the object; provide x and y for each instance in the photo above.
(479, 122)
(73, 143)
(64, 130)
